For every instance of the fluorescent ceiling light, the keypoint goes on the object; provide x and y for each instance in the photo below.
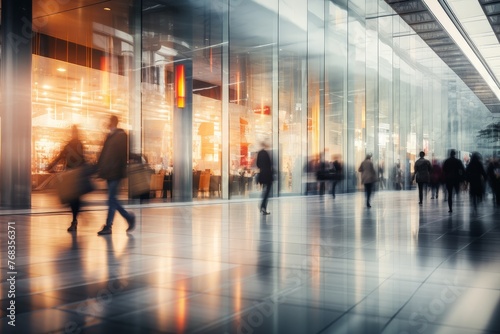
(443, 18)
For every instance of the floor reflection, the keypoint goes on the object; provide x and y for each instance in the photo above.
(315, 265)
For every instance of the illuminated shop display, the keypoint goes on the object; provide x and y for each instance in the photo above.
(307, 98)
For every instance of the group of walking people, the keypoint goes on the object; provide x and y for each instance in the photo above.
(112, 163)
(111, 166)
(454, 176)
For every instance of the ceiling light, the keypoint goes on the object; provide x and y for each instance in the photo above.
(443, 18)
(107, 8)
(61, 69)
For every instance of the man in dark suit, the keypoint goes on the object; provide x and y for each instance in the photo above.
(112, 166)
(454, 172)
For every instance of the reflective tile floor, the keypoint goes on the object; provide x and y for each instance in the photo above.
(314, 265)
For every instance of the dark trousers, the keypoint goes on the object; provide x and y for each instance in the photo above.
(334, 184)
(266, 191)
(75, 207)
(450, 186)
(113, 204)
(435, 189)
(421, 187)
(368, 192)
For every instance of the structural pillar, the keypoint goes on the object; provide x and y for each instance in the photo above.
(183, 135)
(15, 113)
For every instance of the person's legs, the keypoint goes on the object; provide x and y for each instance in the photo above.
(112, 201)
(496, 192)
(322, 188)
(124, 213)
(334, 184)
(265, 195)
(474, 198)
(449, 189)
(368, 193)
(420, 192)
(75, 208)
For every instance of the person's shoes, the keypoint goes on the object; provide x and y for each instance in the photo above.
(420, 203)
(368, 205)
(105, 230)
(264, 212)
(131, 223)
(450, 210)
(73, 226)
(432, 197)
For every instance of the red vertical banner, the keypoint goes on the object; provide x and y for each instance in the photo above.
(180, 85)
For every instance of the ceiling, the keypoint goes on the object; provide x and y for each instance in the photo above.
(473, 52)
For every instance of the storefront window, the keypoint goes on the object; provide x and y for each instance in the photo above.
(250, 91)
(335, 86)
(292, 97)
(80, 76)
(317, 81)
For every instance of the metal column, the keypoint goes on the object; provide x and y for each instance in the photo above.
(15, 114)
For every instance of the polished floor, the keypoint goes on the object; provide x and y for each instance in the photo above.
(314, 265)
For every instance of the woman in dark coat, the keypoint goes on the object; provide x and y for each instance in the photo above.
(73, 157)
(265, 177)
(476, 176)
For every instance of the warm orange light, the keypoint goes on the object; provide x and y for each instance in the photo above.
(180, 86)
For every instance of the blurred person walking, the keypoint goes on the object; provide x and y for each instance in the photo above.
(381, 176)
(265, 177)
(475, 175)
(112, 166)
(72, 154)
(493, 173)
(338, 168)
(436, 178)
(398, 176)
(453, 172)
(368, 177)
(422, 170)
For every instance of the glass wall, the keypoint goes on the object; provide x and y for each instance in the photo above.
(81, 74)
(336, 85)
(317, 80)
(251, 104)
(292, 84)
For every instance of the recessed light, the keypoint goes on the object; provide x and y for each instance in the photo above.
(107, 8)
(61, 69)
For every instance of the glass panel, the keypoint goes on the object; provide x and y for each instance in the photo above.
(81, 75)
(316, 97)
(292, 96)
(336, 87)
(356, 112)
(250, 90)
(385, 93)
(159, 49)
(207, 104)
